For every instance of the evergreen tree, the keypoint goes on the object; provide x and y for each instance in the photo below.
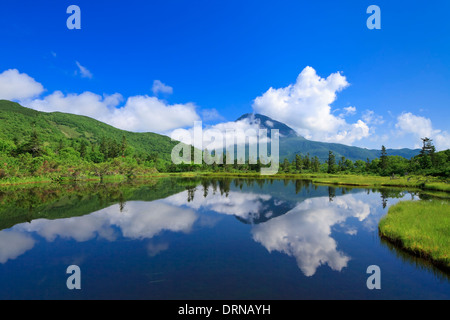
(60, 146)
(315, 164)
(298, 163)
(383, 158)
(331, 162)
(285, 166)
(307, 162)
(123, 146)
(341, 164)
(83, 148)
(427, 153)
(33, 146)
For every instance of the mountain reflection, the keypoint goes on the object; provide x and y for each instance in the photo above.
(302, 230)
(297, 225)
(305, 232)
(248, 206)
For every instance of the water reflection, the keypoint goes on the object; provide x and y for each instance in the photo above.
(14, 244)
(299, 229)
(247, 206)
(283, 217)
(135, 221)
(305, 232)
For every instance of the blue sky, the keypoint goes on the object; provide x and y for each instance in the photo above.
(160, 65)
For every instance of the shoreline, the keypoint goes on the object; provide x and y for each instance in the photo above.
(414, 182)
(425, 256)
(419, 228)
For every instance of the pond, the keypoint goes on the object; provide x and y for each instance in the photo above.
(171, 239)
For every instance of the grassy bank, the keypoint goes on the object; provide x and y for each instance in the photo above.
(421, 228)
(418, 182)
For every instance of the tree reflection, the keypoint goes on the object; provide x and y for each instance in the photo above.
(331, 193)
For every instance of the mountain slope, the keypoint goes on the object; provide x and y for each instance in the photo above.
(292, 144)
(17, 123)
(267, 123)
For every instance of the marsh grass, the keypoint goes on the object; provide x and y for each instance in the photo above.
(420, 227)
(416, 182)
(419, 182)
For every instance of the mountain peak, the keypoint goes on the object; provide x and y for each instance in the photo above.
(265, 122)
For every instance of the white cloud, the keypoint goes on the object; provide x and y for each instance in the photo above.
(85, 73)
(87, 103)
(158, 87)
(18, 86)
(356, 131)
(224, 134)
(420, 127)
(144, 113)
(211, 114)
(140, 113)
(350, 111)
(306, 107)
(370, 117)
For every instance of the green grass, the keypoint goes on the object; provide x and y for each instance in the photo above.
(420, 182)
(420, 227)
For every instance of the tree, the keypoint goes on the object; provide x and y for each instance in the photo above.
(83, 148)
(331, 162)
(427, 153)
(307, 162)
(123, 146)
(341, 164)
(428, 146)
(285, 166)
(367, 164)
(61, 145)
(298, 163)
(33, 146)
(315, 164)
(383, 158)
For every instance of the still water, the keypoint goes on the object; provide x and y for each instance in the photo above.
(205, 239)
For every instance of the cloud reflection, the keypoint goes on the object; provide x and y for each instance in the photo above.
(139, 220)
(305, 232)
(14, 244)
(245, 205)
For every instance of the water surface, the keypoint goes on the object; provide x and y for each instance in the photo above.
(206, 239)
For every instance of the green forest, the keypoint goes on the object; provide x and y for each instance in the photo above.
(60, 146)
